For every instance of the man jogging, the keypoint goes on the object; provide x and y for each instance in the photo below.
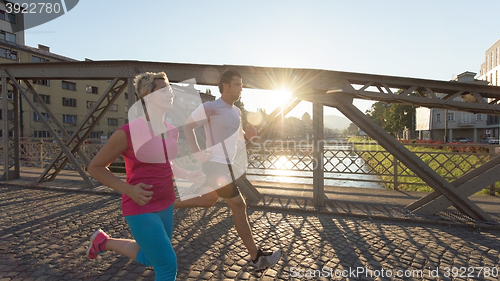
(222, 123)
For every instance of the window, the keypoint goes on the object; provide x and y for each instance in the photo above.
(438, 117)
(498, 59)
(45, 98)
(38, 59)
(69, 119)
(466, 117)
(479, 117)
(41, 134)
(114, 107)
(11, 133)
(42, 82)
(38, 119)
(492, 57)
(94, 135)
(2, 15)
(451, 116)
(126, 96)
(9, 17)
(69, 102)
(91, 89)
(487, 63)
(8, 54)
(7, 36)
(10, 115)
(91, 104)
(69, 85)
(113, 121)
(126, 109)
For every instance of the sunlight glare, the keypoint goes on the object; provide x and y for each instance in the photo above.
(279, 97)
(255, 118)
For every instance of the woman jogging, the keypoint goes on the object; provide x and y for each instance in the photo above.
(148, 145)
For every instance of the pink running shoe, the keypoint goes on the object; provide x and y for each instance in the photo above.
(97, 244)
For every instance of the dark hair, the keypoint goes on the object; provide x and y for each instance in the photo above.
(227, 76)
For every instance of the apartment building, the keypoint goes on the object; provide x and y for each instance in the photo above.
(491, 66)
(69, 101)
(449, 125)
(11, 27)
(441, 124)
(489, 72)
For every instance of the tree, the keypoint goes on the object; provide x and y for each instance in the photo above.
(392, 117)
(307, 123)
(306, 118)
(241, 106)
(352, 129)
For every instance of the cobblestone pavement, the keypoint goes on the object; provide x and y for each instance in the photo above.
(44, 236)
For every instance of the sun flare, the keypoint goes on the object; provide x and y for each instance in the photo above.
(279, 97)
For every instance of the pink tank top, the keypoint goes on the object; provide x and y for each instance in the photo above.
(159, 175)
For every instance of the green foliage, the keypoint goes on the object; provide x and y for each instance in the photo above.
(352, 129)
(306, 118)
(392, 117)
(447, 164)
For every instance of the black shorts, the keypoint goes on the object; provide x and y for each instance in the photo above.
(219, 178)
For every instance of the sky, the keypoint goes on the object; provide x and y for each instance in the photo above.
(422, 39)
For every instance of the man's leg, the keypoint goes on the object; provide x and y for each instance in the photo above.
(206, 201)
(239, 209)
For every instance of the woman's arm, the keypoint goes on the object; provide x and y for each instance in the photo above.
(193, 176)
(98, 169)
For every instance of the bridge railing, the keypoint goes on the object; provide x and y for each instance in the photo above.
(354, 164)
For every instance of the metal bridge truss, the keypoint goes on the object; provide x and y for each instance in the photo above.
(321, 87)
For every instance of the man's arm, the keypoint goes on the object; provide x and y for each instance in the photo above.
(188, 129)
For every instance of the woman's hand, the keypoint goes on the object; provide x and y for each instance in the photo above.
(139, 194)
(203, 155)
(197, 177)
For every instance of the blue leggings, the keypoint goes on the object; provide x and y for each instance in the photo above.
(153, 231)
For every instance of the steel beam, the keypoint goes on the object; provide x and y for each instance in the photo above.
(53, 119)
(5, 133)
(343, 103)
(318, 148)
(306, 83)
(466, 189)
(95, 115)
(52, 131)
(467, 185)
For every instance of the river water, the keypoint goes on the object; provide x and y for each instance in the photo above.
(343, 168)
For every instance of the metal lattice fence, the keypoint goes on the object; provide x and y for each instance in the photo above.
(363, 162)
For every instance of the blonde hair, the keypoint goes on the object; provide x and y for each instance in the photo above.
(145, 82)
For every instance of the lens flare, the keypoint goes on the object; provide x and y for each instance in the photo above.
(255, 118)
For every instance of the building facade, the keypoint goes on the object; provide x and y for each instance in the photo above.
(11, 27)
(491, 66)
(489, 73)
(70, 101)
(449, 125)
